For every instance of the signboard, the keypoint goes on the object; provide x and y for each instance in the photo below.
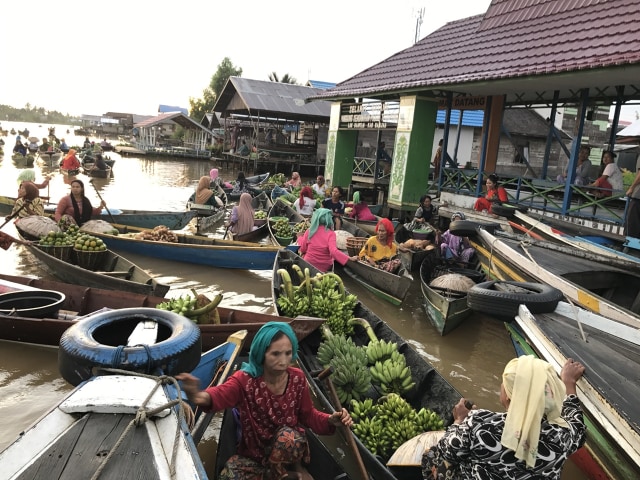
(372, 115)
(464, 103)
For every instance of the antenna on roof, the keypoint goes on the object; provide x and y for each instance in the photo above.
(419, 15)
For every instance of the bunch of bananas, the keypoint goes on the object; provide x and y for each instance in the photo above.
(427, 420)
(197, 307)
(351, 376)
(370, 431)
(363, 409)
(393, 375)
(320, 296)
(380, 350)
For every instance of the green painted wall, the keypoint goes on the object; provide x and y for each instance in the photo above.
(412, 152)
(341, 148)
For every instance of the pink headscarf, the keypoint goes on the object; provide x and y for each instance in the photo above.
(213, 173)
(388, 226)
(305, 192)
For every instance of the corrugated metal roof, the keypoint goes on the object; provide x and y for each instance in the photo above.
(169, 109)
(320, 84)
(272, 100)
(470, 118)
(176, 117)
(515, 39)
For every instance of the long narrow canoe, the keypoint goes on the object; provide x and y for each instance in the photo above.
(198, 249)
(137, 218)
(113, 273)
(431, 389)
(81, 301)
(609, 388)
(392, 287)
(282, 208)
(263, 203)
(88, 434)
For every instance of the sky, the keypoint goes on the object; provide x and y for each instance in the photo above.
(86, 57)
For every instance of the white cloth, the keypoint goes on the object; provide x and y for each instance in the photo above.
(307, 209)
(614, 176)
(318, 189)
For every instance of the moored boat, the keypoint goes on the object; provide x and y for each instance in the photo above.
(413, 248)
(50, 158)
(431, 389)
(446, 306)
(392, 287)
(198, 249)
(97, 172)
(610, 385)
(253, 183)
(112, 272)
(47, 327)
(282, 209)
(95, 419)
(263, 203)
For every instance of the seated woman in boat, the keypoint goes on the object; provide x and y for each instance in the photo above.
(100, 163)
(76, 208)
(320, 188)
(495, 194)
(380, 250)
(294, 182)
(242, 216)
(542, 426)
(318, 244)
(336, 206)
(33, 146)
(63, 146)
(454, 248)
(70, 162)
(426, 213)
(305, 203)
(19, 147)
(45, 146)
(105, 144)
(204, 195)
(217, 182)
(87, 143)
(274, 406)
(29, 175)
(28, 202)
(611, 179)
(242, 186)
(360, 210)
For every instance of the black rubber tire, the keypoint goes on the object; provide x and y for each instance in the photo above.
(96, 340)
(508, 211)
(464, 228)
(485, 299)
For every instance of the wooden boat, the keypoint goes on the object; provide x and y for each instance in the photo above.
(446, 308)
(50, 159)
(69, 173)
(23, 161)
(282, 208)
(392, 287)
(198, 249)
(113, 272)
(412, 258)
(542, 231)
(81, 301)
(609, 388)
(323, 465)
(604, 289)
(263, 203)
(253, 182)
(431, 389)
(88, 434)
(207, 216)
(97, 172)
(368, 226)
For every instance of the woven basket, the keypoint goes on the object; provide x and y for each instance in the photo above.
(355, 244)
(62, 252)
(90, 260)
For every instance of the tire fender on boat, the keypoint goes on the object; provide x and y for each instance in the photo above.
(100, 341)
(538, 298)
(507, 210)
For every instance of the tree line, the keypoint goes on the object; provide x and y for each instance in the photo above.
(35, 114)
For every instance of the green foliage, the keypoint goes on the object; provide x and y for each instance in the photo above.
(286, 78)
(225, 70)
(627, 178)
(35, 114)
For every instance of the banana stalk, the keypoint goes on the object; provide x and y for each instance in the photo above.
(339, 282)
(286, 280)
(367, 327)
(207, 308)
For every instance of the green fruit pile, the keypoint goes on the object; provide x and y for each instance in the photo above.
(89, 243)
(282, 229)
(301, 227)
(278, 179)
(190, 307)
(260, 215)
(56, 239)
(321, 296)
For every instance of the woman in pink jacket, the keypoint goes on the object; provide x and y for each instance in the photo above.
(318, 244)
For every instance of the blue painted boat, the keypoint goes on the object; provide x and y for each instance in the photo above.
(197, 249)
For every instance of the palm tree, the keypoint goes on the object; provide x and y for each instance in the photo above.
(286, 78)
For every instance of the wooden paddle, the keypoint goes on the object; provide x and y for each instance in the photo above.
(105, 203)
(14, 214)
(348, 434)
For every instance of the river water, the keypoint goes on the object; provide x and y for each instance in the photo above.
(471, 358)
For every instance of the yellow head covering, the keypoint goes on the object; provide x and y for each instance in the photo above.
(534, 390)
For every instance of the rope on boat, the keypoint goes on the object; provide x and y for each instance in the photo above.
(143, 415)
(577, 318)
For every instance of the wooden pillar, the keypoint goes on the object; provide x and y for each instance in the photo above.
(493, 132)
(341, 148)
(412, 152)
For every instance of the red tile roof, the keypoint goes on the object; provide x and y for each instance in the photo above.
(514, 39)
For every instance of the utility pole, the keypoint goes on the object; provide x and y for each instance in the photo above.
(420, 15)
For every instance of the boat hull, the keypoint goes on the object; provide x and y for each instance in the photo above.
(388, 286)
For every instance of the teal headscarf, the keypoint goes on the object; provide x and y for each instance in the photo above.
(261, 342)
(356, 197)
(321, 216)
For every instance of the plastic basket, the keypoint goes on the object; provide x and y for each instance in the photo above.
(355, 244)
(90, 260)
(284, 241)
(62, 252)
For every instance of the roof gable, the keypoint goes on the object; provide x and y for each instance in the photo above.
(515, 39)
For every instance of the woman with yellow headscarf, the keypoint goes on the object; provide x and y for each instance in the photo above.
(543, 425)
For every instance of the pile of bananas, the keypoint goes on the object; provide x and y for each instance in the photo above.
(393, 375)
(197, 307)
(380, 350)
(351, 376)
(277, 178)
(321, 296)
(386, 425)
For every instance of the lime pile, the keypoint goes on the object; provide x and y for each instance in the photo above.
(89, 243)
(282, 229)
(260, 215)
